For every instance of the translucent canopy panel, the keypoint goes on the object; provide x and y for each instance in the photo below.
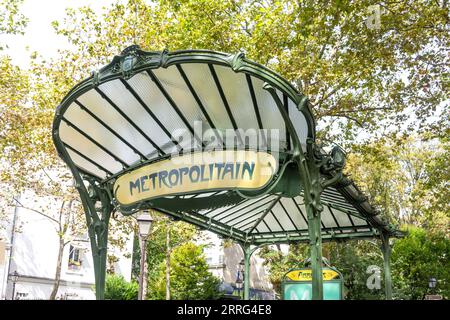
(174, 104)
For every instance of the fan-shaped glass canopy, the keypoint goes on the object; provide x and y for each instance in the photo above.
(214, 140)
(149, 107)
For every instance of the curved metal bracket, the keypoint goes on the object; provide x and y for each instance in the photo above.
(269, 188)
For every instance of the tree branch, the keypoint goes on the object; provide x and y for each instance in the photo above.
(36, 211)
(60, 217)
(363, 110)
(345, 116)
(328, 95)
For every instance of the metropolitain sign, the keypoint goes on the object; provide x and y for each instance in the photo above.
(202, 171)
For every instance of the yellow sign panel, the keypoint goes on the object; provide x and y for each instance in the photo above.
(203, 171)
(306, 275)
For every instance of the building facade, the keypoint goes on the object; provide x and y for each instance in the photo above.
(29, 246)
(224, 262)
(29, 252)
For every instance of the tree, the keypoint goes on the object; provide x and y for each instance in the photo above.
(166, 236)
(405, 178)
(436, 188)
(361, 63)
(279, 263)
(14, 87)
(117, 288)
(190, 278)
(358, 261)
(12, 21)
(62, 208)
(18, 121)
(418, 257)
(28, 160)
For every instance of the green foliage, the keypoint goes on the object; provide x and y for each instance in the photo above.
(190, 278)
(117, 288)
(279, 264)
(15, 124)
(179, 233)
(11, 20)
(418, 257)
(406, 177)
(352, 259)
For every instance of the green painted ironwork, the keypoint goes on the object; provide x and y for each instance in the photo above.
(310, 167)
(247, 251)
(308, 172)
(247, 276)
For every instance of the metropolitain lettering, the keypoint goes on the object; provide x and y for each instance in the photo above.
(192, 174)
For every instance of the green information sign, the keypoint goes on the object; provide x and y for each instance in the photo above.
(297, 284)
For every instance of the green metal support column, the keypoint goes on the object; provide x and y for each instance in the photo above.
(312, 192)
(97, 219)
(98, 223)
(309, 166)
(247, 255)
(315, 169)
(99, 243)
(386, 248)
(315, 244)
(248, 251)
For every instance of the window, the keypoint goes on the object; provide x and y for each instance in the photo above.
(74, 258)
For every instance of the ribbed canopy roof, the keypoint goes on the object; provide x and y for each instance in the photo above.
(129, 114)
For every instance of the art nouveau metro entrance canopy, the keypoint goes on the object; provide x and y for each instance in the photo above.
(212, 139)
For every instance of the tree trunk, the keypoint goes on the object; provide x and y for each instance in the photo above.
(168, 263)
(58, 269)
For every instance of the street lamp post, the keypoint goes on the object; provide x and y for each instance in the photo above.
(14, 277)
(240, 277)
(145, 224)
(238, 285)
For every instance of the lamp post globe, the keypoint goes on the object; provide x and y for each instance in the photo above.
(238, 283)
(145, 221)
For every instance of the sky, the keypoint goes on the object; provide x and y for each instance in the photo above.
(39, 35)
